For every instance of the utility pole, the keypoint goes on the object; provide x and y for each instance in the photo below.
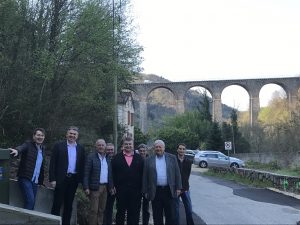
(115, 84)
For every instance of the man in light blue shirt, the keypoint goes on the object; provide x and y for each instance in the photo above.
(97, 181)
(162, 184)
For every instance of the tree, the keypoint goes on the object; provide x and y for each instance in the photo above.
(57, 66)
(214, 139)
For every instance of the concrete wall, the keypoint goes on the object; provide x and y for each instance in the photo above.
(14, 215)
(44, 200)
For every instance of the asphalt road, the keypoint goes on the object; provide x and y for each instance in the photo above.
(216, 201)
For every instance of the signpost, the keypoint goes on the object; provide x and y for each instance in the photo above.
(228, 146)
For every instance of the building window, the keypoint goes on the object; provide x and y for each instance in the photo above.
(128, 118)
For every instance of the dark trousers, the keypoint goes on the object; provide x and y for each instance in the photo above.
(128, 200)
(109, 209)
(145, 211)
(64, 194)
(163, 203)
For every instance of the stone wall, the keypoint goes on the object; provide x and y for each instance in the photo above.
(281, 182)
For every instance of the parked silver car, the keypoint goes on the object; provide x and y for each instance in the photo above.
(215, 158)
(190, 154)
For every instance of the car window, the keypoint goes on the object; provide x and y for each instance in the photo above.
(222, 156)
(212, 155)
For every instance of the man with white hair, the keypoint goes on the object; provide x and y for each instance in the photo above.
(162, 184)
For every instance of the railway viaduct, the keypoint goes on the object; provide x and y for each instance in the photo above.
(215, 87)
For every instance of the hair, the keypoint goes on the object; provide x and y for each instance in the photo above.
(181, 144)
(73, 128)
(142, 146)
(102, 140)
(109, 144)
(39, 129)
(159, 142)
(127, 139)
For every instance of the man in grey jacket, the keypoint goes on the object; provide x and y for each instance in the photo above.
(162, 184)
(97, 181)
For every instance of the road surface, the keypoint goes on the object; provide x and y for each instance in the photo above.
(217, 201)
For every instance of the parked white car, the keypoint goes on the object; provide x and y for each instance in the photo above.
(210, 158)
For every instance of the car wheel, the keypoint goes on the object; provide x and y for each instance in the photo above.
(234, 165)
(203, 164)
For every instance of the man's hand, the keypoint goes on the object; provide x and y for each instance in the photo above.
(178, 192)
(13, 152)
(53, 184)
(87, 191)
(113, 191)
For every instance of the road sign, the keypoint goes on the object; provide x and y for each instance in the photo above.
(228, 145)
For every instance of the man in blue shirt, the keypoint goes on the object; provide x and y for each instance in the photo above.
(66, 171)
(31, 169)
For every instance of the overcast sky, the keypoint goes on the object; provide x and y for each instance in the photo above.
(187, 40)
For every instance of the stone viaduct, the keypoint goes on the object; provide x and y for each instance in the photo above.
(215, 87)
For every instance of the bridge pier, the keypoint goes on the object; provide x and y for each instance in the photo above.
(217, 107)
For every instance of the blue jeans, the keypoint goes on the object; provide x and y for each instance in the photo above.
(186, 200)
(29, 190)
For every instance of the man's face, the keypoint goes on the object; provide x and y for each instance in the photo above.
(100, 146)
(38, 137)
(159, 149)
(110, 150)
(127, 146)
(181, 150)
(72, 136)
(143, 152)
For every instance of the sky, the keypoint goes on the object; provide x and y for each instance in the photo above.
(194, 40)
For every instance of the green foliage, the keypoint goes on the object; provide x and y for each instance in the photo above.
(214, 140)
(173, 136)
(83, 207)
(271, 166)
(239, 179)
(58, 60)
(139, 137)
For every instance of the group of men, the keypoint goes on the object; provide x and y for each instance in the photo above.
(131, 178)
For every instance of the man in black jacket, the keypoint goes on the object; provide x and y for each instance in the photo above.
(97, 181)
(111, 197)
(185, 166)
(66, 171)
(31, 168)
(127, 167)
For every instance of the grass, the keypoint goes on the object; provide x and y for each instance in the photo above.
(274, 167)
(239, 179)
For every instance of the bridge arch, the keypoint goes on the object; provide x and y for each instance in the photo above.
(253, 86)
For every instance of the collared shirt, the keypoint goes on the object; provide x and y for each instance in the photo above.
(38, 164)
(103, 169)
(128, 157)
(72, 157)
(161, 170)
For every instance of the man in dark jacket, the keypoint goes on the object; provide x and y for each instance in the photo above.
(31, 169)
(111, 197)
(143, 151)
(185, 166)
(97, 181)
(127, 167)
(66, 171)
